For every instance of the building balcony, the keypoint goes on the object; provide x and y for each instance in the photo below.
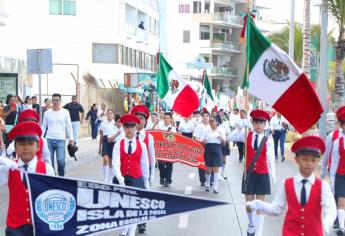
(227, 46)
(220, 18)
(223, 71)
(139, 34)
(227, 18)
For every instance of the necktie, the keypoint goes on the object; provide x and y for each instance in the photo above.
(25, 166)
(130, 147)
(138, 135)
(256, 142)
(303, 193)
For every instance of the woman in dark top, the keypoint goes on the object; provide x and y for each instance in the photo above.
(11, 115)
(92, 113)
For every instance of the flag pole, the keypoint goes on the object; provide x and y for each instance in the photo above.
(246, 94)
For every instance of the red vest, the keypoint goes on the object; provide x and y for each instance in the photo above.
(19, 206)
(335, 136)
(303, 220)
(39, 151)
(261, 164)
(130, 163)
(341, 164)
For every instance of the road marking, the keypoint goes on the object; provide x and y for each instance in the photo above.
(183, 223)
(188, 190)
(191, 176)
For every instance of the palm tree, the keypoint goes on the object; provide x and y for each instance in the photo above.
(281, 39)
(337, 10)
(307, 38)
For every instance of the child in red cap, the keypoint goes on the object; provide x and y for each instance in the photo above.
(309, 200)
(256, 183)
(25, 136)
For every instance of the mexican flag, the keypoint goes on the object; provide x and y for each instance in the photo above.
(174, 91)
(207, 97)
(276, 79)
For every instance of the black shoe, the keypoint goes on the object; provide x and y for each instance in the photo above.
(161, 181)
(283, 159)
(166, 184)
(202, 184)
(251, 234)
(341, 232)
(141, 228)
(207, 188)
(336, 224)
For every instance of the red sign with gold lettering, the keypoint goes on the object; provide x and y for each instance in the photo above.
(173, 147)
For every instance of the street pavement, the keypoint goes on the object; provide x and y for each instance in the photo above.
(220, 221)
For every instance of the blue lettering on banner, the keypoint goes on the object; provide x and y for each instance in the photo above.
(70, 207)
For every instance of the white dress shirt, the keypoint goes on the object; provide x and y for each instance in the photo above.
(279, 204)
(187, 126)
(7, 163)
(278, 123)
(233, 119)
(225, 125)
(151, 152)
(199, 131)
(162, 126)
(114, 131)
(328, 151)
(269, 153)
(144, 160)
(214, 136)
(107, 127)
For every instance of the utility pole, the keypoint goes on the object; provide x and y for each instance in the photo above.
(292, 29)
(323, 67)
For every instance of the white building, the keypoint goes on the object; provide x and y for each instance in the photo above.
(100, 39)
(207, 28)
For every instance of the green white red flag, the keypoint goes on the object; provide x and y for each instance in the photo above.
(174, 90)
(276, 79)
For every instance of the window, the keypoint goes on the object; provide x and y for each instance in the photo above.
(62, 7)
(186, 36)
(184, 8)
(204, 32)
(124, 55)
(196, 7)
(105, 53)
(207, 7)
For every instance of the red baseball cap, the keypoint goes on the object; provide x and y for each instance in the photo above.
(129, 119)
(29, 115)
(28, 130)
(313, 145)
(260, 115)
(141, 110)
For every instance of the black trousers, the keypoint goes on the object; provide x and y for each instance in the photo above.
(240, 147)
(165, 170)
(25, 230)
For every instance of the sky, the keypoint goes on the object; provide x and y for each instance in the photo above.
(280, 11)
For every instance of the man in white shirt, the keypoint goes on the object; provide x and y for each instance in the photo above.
(279, 128)
(57, 125)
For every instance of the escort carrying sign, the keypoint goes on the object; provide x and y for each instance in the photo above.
(70, 207)
(173, 147)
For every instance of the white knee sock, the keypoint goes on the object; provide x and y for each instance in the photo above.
(208, 180)
(110, 175)
(341, 218)
(131, 230)
(223, 170)
(259, 224)
(105, 170)
(251, 218)
(216, 180)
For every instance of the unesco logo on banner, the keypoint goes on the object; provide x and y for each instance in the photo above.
(55, 207)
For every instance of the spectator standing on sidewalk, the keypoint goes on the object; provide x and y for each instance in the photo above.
(74, 109)
(27, 103)
(92, 114)
(57, 124)
(35, 104)
(279, 128)
(11, 116)
(47, 105)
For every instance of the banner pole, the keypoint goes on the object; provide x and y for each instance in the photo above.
(246, 95)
